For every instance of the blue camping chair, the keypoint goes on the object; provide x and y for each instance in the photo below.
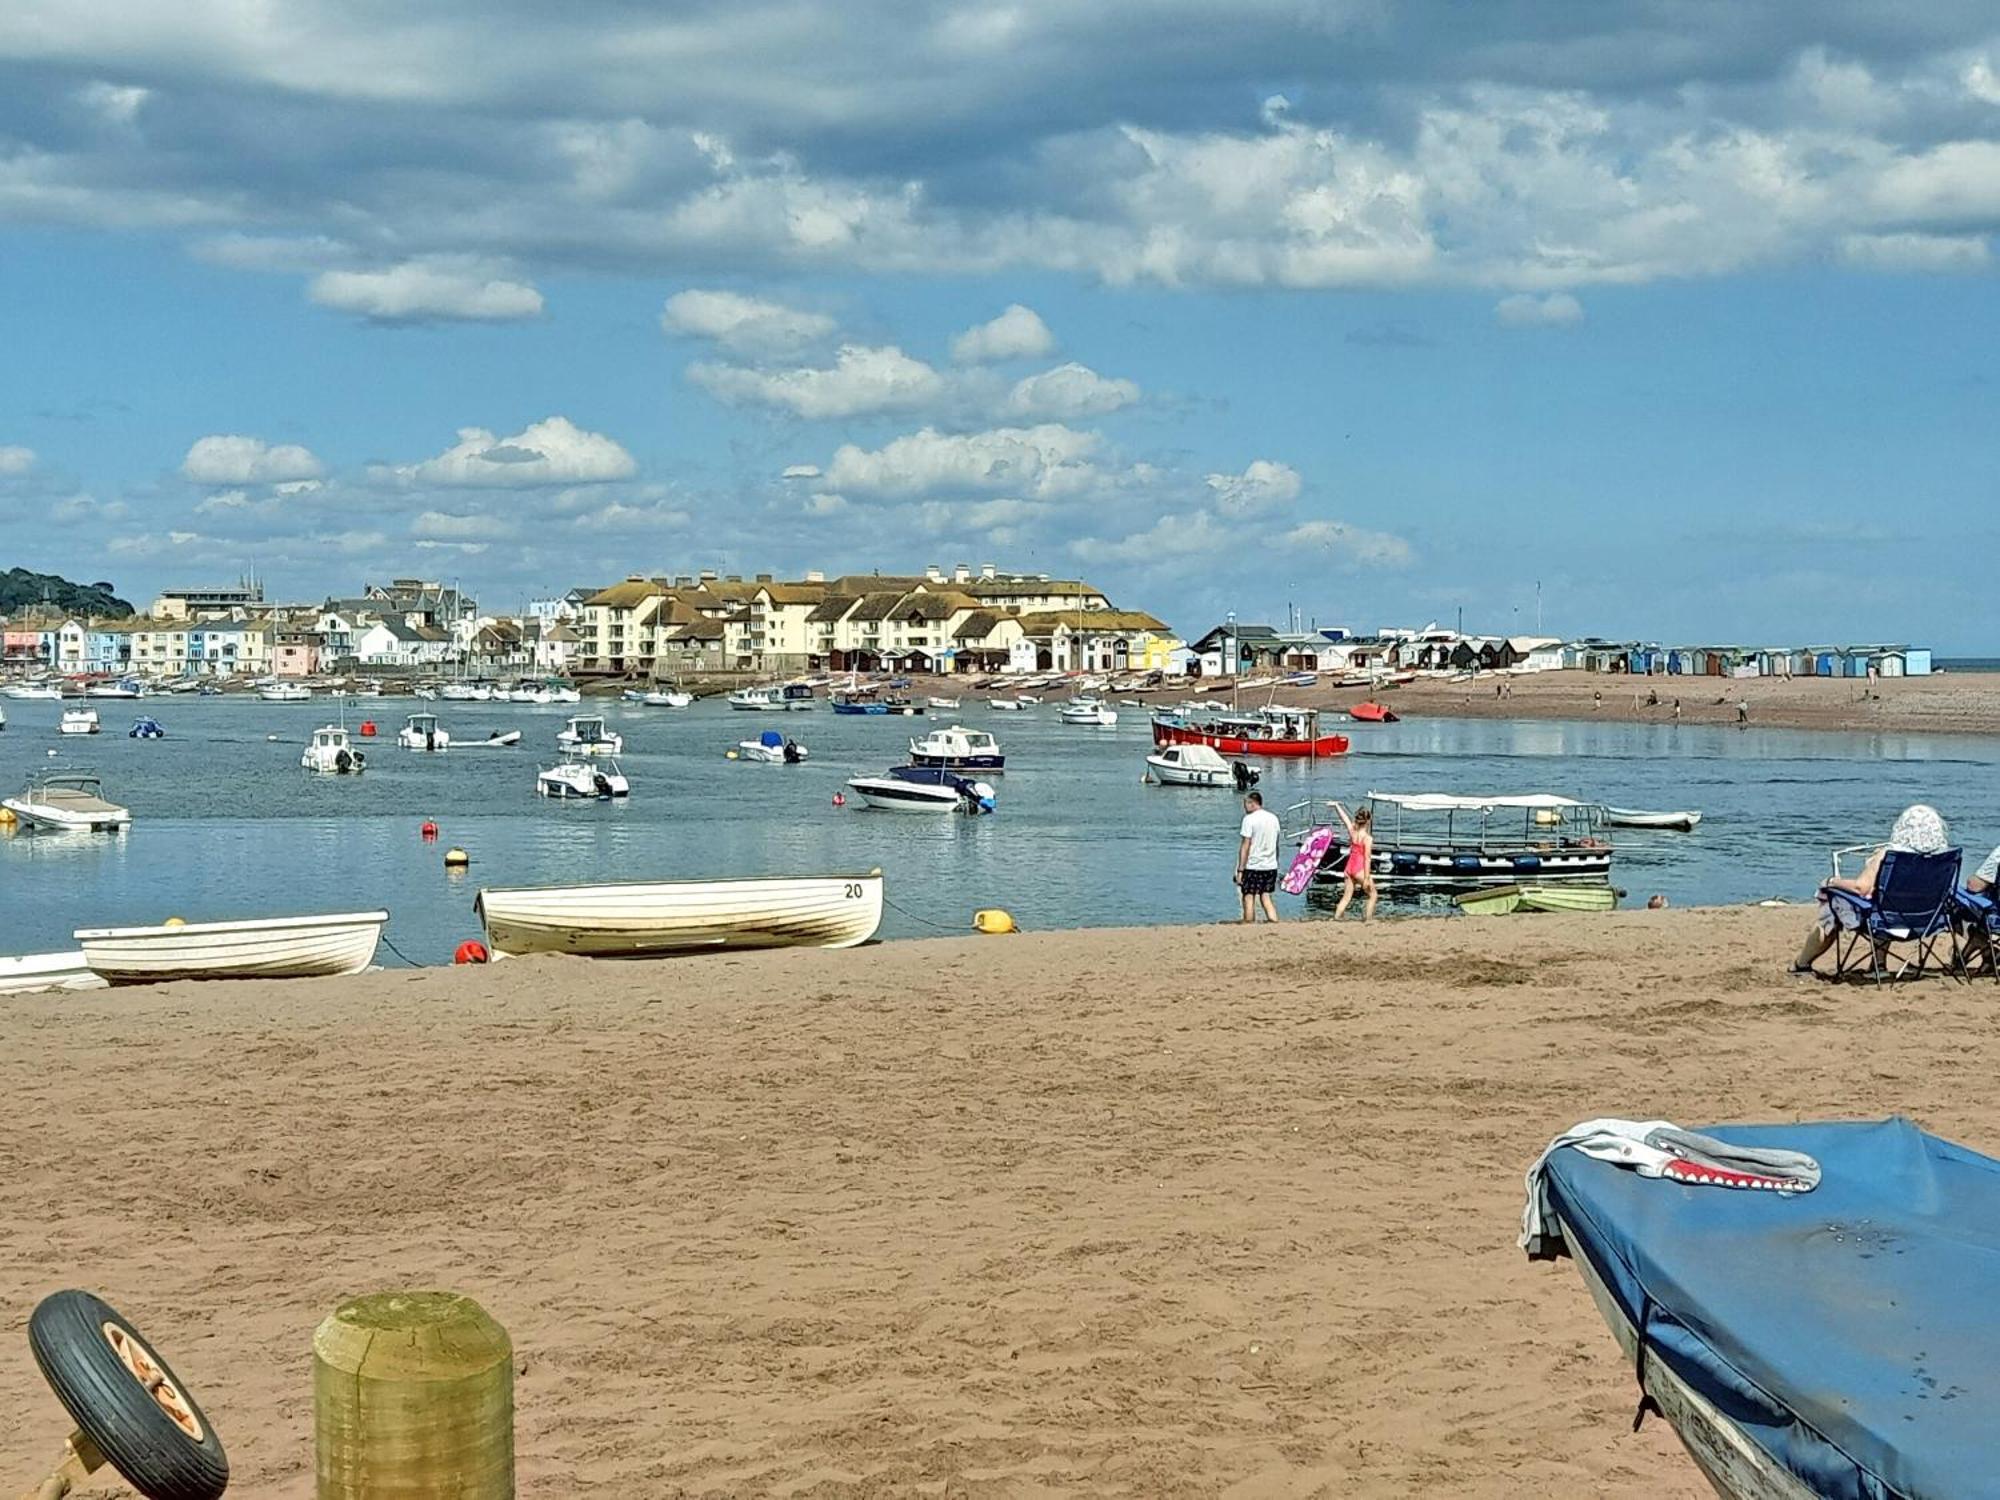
(1912, 906)
(1975, 918)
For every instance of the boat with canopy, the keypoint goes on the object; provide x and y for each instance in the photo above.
(1434, 842)
(1273, 731)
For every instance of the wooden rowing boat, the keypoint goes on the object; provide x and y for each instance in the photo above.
(1632, 817)
(47, 971)
(653, 919)
(261, 948)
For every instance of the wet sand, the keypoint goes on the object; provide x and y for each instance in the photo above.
(1193, 1211)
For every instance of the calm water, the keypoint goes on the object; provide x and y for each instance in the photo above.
(227, 825)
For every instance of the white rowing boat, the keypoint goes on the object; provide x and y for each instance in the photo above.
(653, 919)
(1632, 817)
(261, 948)
(47, 971)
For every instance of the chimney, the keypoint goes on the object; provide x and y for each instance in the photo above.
(708, 575)
(766, 578)
(987, 572)
(934, 573)
(960, 573)
(684, 581)
(815, 576)
(734, 578)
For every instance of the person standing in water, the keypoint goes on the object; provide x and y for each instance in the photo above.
(1359, 869)
(1257, 858)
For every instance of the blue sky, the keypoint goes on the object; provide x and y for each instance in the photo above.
(1378, 311)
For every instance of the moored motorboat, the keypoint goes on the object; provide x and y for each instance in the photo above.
(666, 698)
(78, 721)
(586, 732)
(330, 753)
(1632, 817)
(958, 749)
(923, 789)
(70, 801)
(583, 776)
(1372, 713)
(1088, 711)
(32, 692)
(1198, 765)
(1005, 705)
(124, 688)
(285, 692)
(32, 972)
(771, 748)
(652, 919)
(422, 732)
(146, 727)
(261, 948)
(752, 700)
(948, 705)
(1281, 732)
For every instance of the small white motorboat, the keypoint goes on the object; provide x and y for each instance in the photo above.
(331, 754)
(421, 732)
(1088, 711)
(67, 801)
(527, 693)
(78, 721)
(457, 692)
(262, 948)
(1632, 817)
(757, 699)
(123, 689)
(949, 705)
(772, 749)
(1026, 700)
(586, 733)
(562, 692)
(666, 698)
(654, 919)
(1198, 765)
(499, 739)
(32, 692)
(284, 692)
(924, 789)
(47, 971)
(425, 695)
(1005, 705)
(583, 777)
(958, 749)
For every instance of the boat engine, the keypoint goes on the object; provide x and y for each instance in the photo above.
(343, 761)
(793, 755)
(1242, 775)
(600, 783)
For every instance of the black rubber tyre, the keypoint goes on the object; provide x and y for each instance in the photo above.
(69, 1334)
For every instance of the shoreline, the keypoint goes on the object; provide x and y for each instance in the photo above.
(1147, 1212)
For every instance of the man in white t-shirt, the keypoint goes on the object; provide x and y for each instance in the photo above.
(1257, 858)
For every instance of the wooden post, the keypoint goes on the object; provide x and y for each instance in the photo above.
(413, 1399)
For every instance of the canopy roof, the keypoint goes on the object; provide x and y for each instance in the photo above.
(1439, 802)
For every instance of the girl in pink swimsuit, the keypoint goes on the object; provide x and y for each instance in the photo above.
(1358, 870)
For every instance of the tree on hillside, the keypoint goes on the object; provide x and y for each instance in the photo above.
(21, 589)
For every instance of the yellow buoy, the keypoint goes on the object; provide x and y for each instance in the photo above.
(175, 922)
(993, 920)
(729, 755)
(413, 1399)
(456, 859)
(7, 818)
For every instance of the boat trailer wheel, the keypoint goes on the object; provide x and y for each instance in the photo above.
(131, 1411)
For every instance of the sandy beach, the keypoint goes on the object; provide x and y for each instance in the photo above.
(1195, 1211)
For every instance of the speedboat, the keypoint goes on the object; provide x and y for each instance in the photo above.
(330, 754)
(67, 802)
(35, 692)
(757, 699)
(1088, 711)
(501, 738)
(78, 721)
(421, 732)
(1632, 817)
(262, 948)
(284, 692)
(1198, 765)
(1005, 705)
(125, 688)
(666, 698)
(948, 705)
(146, 727)
(924, 789)
(655, 919)
(582, 775)
(586, 733)
(958, 749)
(771, 748)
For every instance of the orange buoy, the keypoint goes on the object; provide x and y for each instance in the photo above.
(471, 952)
(429, 831)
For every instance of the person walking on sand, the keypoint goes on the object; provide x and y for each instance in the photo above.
(1358, 869)
(1257, 858)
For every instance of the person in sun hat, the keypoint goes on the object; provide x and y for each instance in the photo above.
(1919, 829)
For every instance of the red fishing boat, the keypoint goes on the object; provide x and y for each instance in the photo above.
(1270, 731)
(1372, 713)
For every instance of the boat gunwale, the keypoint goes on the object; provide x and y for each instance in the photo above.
(378, 919)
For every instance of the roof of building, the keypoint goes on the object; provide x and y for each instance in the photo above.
(928, 605)
(559, 632)
(1035, 587)
(857, 584)
(794, 593)
(697, 629)
(831, 608)
(978, 625)
(877, 606)
(624, 595)
(1111, 620)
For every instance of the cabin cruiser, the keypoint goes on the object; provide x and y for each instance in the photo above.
(666, 698)
(284, 692)
(78, 721)
(528, 692)
(943, 705)
(586, 733)
(1088, 711)
(421, 732)
(958, 749)
(924, 789)
(146, 727)
(582, 775)
(124, 688)
(1005, 705)
(1198, 765)
(330, 754)
(772, 748)
(40, 692)
(67, 801)
(796, 697)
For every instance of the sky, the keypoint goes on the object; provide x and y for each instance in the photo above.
(1665, 319)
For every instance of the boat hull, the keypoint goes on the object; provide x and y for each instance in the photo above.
(1447, 870)
(278, 948)
(1172, 773)
(661, 919)
(890, 795)
(1579, 897)
(34, 972)
(1627, 817)
(1228, 744)
(960, 762)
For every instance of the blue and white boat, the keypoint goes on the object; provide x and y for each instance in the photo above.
(146, 727)
(859, 703)
(1839, 1342)
(924, 789)
(958, 749)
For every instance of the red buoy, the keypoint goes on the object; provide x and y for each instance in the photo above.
(368, 729)
(471, 952)
(839, 799)
(429, 831)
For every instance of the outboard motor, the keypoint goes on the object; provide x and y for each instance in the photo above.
(1242, 775)
(600, 783)
(984, 798)
(343, 761)
(792, 753)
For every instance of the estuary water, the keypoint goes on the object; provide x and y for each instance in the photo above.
(226, 825)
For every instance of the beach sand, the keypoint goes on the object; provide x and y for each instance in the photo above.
(1193, 1211)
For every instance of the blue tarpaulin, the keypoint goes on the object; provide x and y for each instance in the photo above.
(1852, 1332)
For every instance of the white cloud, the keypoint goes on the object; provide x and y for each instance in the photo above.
(1262, 487)
(1018, 333)
(862, 381)
(445, 526)
(15, 460)
(800, 471)
(1350, 542)
(1067, 392)
(446, 289)
(554, 451)
(745, 325)
(1045, 461)
(232, 459)
(113, 103)
(1916, 252)
(823, 504)
(1187, 534)
(940, 516)
(1524, 310)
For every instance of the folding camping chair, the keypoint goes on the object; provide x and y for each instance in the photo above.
(1976, 917)
(1912, 905)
